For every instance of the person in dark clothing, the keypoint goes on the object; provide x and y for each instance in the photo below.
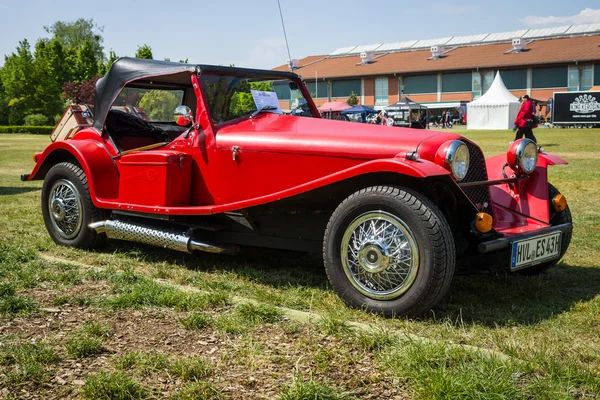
(424, 120)
(525, 113)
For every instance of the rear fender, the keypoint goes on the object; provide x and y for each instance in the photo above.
(93, 157)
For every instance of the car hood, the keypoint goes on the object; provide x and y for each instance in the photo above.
(316, 136)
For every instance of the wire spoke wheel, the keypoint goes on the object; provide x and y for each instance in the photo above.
(66, 209)
(379, 255)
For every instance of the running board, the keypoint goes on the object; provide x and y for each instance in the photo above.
(179, 241)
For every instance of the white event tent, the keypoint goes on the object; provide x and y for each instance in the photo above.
(496, 109)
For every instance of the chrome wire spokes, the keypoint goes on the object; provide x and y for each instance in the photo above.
(379, 255)
(65, 207)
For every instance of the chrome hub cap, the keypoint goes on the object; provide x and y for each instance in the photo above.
(374, 257)
(58, 209)
(380, 255)
(65, 209)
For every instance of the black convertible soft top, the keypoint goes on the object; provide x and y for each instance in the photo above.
(126, 70)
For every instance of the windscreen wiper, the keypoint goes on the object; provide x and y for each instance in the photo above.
(265, 108)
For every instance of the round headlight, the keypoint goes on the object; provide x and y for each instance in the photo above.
(527, 156)
(523, 155)
(457, 159)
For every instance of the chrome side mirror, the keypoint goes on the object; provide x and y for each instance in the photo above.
(183, 116)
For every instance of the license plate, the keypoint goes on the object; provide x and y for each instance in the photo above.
(533, 251)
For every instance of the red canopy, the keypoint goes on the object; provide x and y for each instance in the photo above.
(333, 106)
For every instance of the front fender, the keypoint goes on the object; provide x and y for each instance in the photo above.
(400, 165)
(416, 169)
(93, 157)
(528, 196)
(550, 159)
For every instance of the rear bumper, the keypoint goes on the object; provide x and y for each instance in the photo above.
(503, 243)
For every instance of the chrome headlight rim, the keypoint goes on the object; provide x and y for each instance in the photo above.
(520, 152)
(450, 159)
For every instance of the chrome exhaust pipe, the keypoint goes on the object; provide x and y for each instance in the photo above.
(179, 241)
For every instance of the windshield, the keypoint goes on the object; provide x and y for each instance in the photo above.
(230, 97)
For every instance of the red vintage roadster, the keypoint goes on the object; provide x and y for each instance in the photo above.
(394, 211)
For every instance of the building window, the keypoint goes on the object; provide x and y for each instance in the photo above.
(345, 88)
(318, 90)
(587, 77)
(573, 78)
(514, 79)
(550, 77)
(596, 74)
(459, 82)
(476, 85)
(488, 79)
(420, 84)
(283, 90)
(381, 91)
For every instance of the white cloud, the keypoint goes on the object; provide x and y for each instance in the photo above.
(585, 16)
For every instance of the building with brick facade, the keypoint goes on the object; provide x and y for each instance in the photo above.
(442, 72)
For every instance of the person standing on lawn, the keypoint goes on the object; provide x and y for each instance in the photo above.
(524, 120)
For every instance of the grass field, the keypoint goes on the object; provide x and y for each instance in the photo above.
(130, 321)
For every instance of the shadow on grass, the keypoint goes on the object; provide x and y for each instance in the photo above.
(276, 268)
(4, 190)
(514, 300)
(504, 300)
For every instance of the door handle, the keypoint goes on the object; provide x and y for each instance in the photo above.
(234, 152)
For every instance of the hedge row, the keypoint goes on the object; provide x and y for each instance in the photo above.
(34, 130)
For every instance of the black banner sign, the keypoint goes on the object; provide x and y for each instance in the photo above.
(576, 108)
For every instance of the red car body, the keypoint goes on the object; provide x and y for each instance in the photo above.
(275, 180)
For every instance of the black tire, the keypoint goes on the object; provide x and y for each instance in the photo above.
(71, 180)
(556, 218)
(434, 245)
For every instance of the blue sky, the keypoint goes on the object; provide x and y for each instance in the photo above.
(249, 33)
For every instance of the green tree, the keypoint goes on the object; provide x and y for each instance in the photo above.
(352, 100)
(49, 75)
(159, 105)
(17, 78)
(86, 64)
(32, 82)
(72, 34)
(144, 51)
(242, 101)
(3, 104)
(104, 67)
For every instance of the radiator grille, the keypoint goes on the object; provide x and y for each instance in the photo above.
(480, 195)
